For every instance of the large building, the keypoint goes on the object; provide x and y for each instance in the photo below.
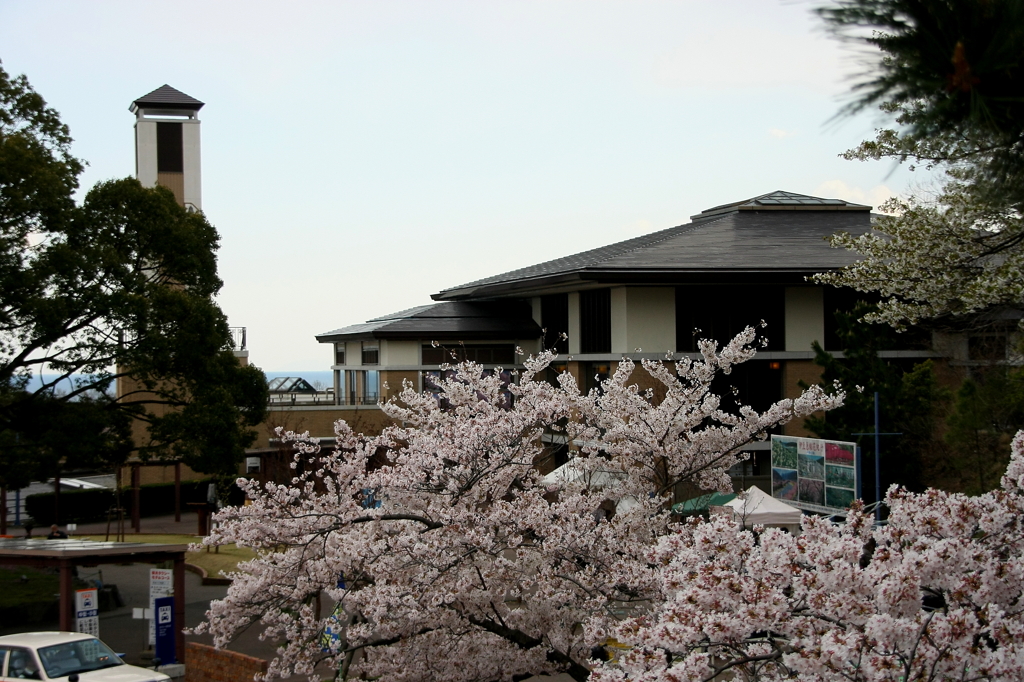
(729, 267)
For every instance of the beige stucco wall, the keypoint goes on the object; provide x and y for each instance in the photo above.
(193, 166)
(646, 321)
(399, 353)
(805, 317)
(574, 323)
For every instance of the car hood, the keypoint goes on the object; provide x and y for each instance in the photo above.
(123, 673)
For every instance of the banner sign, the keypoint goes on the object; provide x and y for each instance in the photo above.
(87, 613)
(163, 620)
(812, 474)
(161, 584)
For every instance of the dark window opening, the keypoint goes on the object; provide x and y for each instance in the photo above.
(720, 312)
(596, 321)
(987, 348)
(170, 157)
(757, 383)
(484, 354)
(339, 354)
(371, 356)
(554, 318)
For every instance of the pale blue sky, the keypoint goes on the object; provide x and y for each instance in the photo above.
(358, 157)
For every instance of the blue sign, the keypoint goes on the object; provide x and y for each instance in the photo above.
(163, 621)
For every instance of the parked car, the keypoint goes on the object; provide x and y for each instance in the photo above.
(72, 656)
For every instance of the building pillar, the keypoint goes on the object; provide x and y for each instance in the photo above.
(67, 596)
(56, 499)
(136, 510)
(179, 607)
(3, 510)
(177, 492)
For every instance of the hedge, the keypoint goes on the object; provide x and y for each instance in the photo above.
(84, 506)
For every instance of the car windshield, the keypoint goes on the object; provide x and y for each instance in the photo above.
(61, 660)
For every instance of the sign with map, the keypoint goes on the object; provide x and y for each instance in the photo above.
(816, 475)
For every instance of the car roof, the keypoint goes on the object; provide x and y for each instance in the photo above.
(38, 639)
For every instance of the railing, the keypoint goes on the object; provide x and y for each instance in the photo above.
(321, 398)
(237, 337)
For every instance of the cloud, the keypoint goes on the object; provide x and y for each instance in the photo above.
(780, 133)
(837, 189)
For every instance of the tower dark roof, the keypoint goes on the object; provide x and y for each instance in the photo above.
(779, 234)
(166, 97)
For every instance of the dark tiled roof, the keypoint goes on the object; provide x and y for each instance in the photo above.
(462, 321)
(787, 233)
(166, 97)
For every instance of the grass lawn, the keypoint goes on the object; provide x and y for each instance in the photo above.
(36, 587)
(225, 559)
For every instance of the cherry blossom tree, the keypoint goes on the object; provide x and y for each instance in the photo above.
(936, 594)
(450, 557)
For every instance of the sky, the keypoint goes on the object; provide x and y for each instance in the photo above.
(360, 156)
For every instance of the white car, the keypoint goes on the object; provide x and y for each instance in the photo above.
(70, 656)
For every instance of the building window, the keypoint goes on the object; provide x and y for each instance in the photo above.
(169, 148)
(596, 321)
(720, 312)
(371, 387)
(481, 353)
(595, 373)
(360, 387)
(339, 354)
(554, 319)
(371, 355)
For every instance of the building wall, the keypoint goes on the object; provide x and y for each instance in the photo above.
(574, 323)
(805, 317)
(393, 352)
(795, 372)
(645, 318)
(145, 152)
(319, 420)
(193, 180)
(204, 663)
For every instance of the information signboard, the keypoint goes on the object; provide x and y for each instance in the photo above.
(814, 474)
(87, 613)
(163, 620)
(161, 584)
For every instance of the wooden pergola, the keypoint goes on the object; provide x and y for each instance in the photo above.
(67, 554)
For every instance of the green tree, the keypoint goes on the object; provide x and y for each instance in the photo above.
(910, 402)
(118, 288)
(952, 74)
(988, 410)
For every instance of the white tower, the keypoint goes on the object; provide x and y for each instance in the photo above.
(167, 144)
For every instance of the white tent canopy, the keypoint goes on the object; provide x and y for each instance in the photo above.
(758, 508)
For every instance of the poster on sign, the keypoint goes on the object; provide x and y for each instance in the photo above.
(87, 614)
(813, 474)
(161, 584)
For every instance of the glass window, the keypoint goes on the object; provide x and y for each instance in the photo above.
(22, 665)
(371, 355)
(596, 321)
(84, 655)
(371, 390)
(339, 354)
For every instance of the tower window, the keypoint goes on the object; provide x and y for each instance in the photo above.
(170, 156)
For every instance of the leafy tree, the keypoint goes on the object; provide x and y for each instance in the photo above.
(909, 396)
(988, 409)
(951, 72)
(118, 288)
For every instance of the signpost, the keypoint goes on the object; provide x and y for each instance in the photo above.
(163, 620)
(161, 584)
(813, 474)
(87, 614)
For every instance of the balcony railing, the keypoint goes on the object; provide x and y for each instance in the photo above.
(237, 338)
(321, 398)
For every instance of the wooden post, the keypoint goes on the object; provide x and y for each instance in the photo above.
(136, 510)
(56, 499)
(67, 596)
(177, 492)
(179, 607)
